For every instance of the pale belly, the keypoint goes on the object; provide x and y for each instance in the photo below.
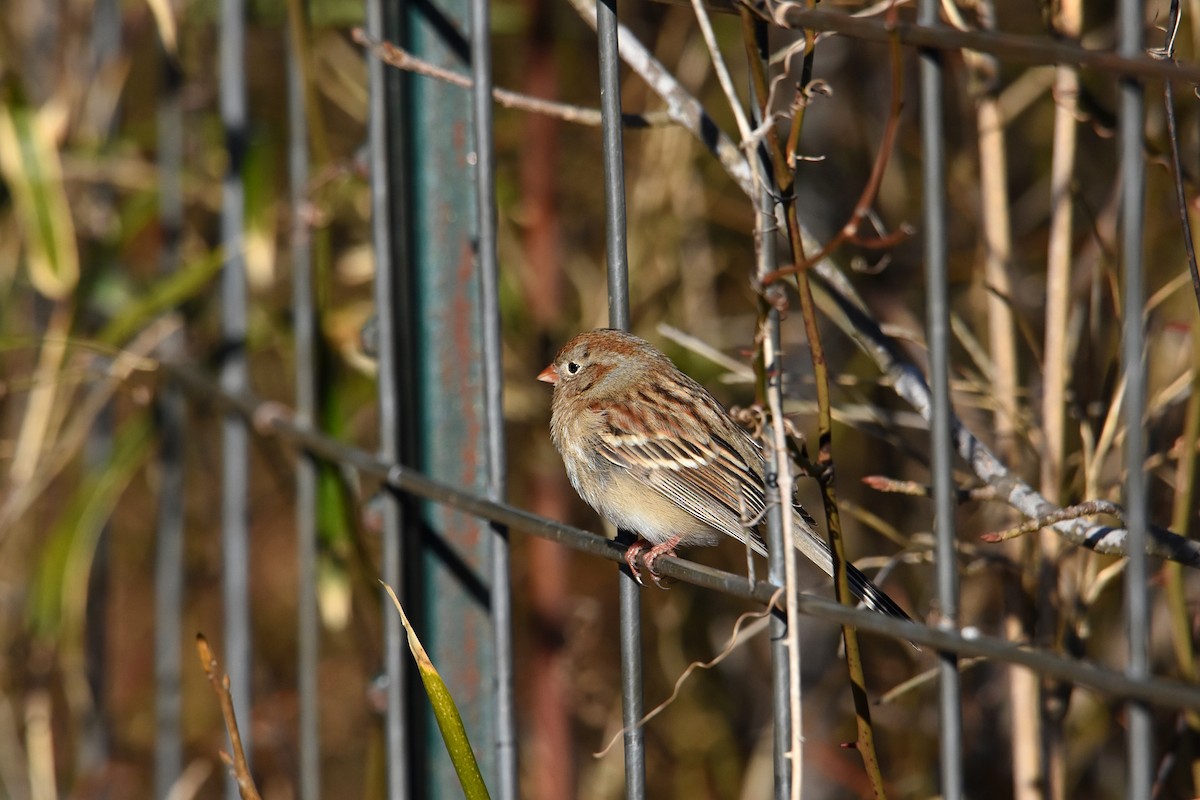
(630, 504)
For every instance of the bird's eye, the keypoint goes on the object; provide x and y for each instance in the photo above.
(572, 367)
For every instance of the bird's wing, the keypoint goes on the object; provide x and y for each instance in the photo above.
(703, 474)
(708, 476)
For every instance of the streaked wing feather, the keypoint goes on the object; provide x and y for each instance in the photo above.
(709, 478)
(701, 474)
(691, 497)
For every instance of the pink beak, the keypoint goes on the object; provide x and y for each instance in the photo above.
(548, 375)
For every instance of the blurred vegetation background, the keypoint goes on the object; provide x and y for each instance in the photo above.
(86, 306)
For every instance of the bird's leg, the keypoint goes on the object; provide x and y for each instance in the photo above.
(631, 554)
(667, 548)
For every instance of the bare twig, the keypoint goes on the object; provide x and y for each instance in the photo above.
(882, 483)
(779, 483)
(909, 382)
(1167, 53)
(1182, 635)
(997, 242)
(240, 769)
(1088, 509)
(796, 236)
(714, 52)
(703, 348)
(862, 209)
(922, 679)
(777, 454)
(682, 107)
(400, 58)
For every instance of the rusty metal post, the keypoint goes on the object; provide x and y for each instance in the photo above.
(443, 424)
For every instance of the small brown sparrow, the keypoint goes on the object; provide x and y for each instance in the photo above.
(653, 452)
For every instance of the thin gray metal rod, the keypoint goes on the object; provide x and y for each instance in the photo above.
(618, 317)
(396, 746)
(168, 592)
(95, 736)
(614, 165)
(1140, 735)
(1158, 691)
(493, 376)
(235, 472)
(777, 574)
(776, 548)
(304, 322)
(1011, 48)
(933, 177)
(172, 414)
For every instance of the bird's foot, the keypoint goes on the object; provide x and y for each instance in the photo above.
(631, 555)
(652, 554)
(667, 548)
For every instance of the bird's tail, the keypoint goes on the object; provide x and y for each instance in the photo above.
(816, 549)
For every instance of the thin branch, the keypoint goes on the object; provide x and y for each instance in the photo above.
(796, 235)
(1167, 53)
(1182, 631)
(714, 52)
(682, 107)
(862, 209)
(996, 232)
(908, 381)
(240, 769)
(396, 56)
(882, 483)
(1087, 509)
(776, 452)
(1039, 746)
(929, 676)
(779, 480)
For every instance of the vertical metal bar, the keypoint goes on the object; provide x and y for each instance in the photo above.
(493, 380)
(234, 435)
(396, 739)
(450, 560)
(168, 591)
(304, 320)
(936, 283)
(172, 410)
(618, 317)
(776, 549)
(614, 165)
(95, 738)
(1140, 736)
(777, 554)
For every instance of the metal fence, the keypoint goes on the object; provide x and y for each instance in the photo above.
(400, 230)
(437, 291)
